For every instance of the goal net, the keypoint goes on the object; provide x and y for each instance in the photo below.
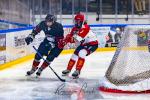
(129, 70)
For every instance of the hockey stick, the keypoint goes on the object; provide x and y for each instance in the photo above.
(63, 80)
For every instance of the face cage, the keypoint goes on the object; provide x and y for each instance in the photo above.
(78, 23)
(49, 21)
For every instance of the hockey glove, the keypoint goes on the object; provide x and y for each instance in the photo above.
(61, 43)
(29, 39)
(69, 38)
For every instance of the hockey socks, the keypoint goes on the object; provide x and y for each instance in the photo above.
(35, 64)
(80, 63)
(34, 67)
(44, 65)
(71, 64)
(79, 66)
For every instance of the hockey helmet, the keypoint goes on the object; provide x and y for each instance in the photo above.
(50, 18)
(79, 19)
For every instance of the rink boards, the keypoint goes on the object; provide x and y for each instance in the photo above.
(31, 56)
(14, 47)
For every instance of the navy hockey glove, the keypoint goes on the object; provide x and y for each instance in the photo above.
(29, 39)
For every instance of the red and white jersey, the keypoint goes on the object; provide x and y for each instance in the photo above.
(84, 35)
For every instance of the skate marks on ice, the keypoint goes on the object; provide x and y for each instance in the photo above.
(36, 79)
(79, 89)
(48, 89)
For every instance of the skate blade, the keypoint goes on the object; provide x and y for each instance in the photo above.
(65, 74)
(75, 77)
(32, 78)
(27, 75)
(67, 78)
(37, 76)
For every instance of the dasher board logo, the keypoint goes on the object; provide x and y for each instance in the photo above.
(142, 37)
(19, 41)
(2, 42)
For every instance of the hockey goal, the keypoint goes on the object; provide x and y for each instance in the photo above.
(129, 70)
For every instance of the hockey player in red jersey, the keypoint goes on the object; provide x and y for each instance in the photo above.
(87, 44)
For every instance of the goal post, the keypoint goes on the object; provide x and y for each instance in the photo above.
(129, 70)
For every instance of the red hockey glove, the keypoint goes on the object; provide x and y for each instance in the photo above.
(69, 38)
(61, 43)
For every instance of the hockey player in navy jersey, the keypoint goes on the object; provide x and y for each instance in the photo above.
(51, 45)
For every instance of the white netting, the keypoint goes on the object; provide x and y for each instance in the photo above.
(131, 62)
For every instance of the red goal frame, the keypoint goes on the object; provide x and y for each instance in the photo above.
(110, 90)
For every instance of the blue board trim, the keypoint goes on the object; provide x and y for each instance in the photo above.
(105, 25)
(15, 30)
(68, 26)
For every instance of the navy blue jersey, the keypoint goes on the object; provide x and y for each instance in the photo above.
(56, 30)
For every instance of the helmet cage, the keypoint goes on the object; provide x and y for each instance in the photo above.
(78, 23)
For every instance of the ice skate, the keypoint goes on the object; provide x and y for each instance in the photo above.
(38, 73)
(29, 73)
(76, 74)
(65, 72)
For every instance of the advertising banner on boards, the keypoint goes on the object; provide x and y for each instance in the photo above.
(2, 48)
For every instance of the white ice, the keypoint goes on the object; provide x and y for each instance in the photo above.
(14, 85)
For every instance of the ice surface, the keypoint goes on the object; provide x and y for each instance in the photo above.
(14, 85)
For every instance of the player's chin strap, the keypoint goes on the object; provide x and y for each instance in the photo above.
(63, 80)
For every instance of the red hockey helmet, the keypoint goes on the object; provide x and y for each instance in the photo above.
(79, 19)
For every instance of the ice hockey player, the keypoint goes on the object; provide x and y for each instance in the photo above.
(87, 44)
(51, 45)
